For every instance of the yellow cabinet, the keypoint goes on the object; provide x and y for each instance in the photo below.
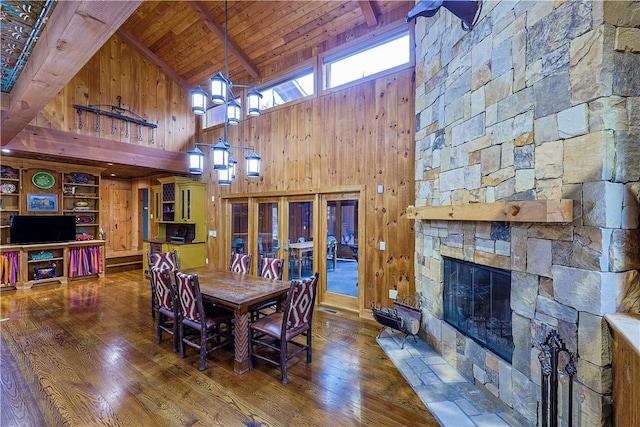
(189, 256)
(178, 209)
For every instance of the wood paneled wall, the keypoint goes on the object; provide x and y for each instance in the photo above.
(362, 135)
(359, 136)
(119, 70)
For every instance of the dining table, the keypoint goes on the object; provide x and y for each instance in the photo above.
(299, 249)
(238, 292)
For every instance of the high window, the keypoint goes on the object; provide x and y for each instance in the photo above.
(368, 60)
(291, 88)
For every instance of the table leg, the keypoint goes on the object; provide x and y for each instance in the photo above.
(299, 263)
(241, 333)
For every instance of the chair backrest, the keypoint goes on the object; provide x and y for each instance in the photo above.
(161, 283)
(164, 260)
(189, 295)
(240, 263)
(271, 268)
(300, 301)
(301, 239)
(332, 246)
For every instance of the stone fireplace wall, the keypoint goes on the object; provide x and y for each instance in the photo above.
(541, 100)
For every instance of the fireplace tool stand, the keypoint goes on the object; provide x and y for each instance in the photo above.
(405, 316)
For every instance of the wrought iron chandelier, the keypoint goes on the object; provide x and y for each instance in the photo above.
(222, 93)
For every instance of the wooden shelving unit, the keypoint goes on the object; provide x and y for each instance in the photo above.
(77, 191)
(10, 198)
(81, 198)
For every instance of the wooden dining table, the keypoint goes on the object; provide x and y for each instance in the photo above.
(238, 292)
(300, 248)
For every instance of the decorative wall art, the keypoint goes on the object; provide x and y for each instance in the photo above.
(43, 180)
(42, 202)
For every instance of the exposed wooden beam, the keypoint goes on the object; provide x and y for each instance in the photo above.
(147, 53)
(552, 210)
(369, 14)
(75, 31)
(203, 12)
(52, 142)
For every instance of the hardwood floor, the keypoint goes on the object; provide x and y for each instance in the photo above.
(87, 354)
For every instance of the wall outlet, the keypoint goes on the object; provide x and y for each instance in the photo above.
(213, 233)
(393, 293)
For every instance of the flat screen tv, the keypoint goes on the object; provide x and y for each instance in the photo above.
(25, 229)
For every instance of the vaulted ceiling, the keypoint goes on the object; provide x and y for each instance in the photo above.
(185, 39)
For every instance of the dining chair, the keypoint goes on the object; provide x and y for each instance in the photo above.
(332, 250)
(209, 336)
(240, 263)
(160, 260)
(166, 309)
(270, 268)
(272, 334)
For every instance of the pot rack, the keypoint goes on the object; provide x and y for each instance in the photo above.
(115, 112)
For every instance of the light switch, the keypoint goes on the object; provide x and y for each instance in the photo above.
(393, 293)
(213, 233)
(380, 189)
(383, 246)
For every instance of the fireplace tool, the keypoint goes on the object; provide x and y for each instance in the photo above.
(405, 316)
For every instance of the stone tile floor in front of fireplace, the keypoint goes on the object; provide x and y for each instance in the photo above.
(452, 399)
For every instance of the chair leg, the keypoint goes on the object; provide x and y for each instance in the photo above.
(283, 361)
(183, 352)
(308, 347)
(176, 334)
(203, 348)
(159, 330)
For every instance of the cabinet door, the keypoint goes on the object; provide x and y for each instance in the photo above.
(156, 204)
(169, 202)
(189, 256)
(185, 204)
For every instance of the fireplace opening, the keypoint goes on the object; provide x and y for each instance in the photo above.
(477, 302)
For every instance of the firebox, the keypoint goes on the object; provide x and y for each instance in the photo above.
(477, 303)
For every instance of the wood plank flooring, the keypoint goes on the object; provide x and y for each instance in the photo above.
(86, 352)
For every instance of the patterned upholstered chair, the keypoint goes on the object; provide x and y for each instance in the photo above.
(207, 324)
(240, 263)
(269, 268)
(161, 260)
(270, 336)
(166, 309)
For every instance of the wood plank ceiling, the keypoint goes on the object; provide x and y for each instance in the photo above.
(186, 40)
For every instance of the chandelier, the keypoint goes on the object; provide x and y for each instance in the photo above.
(221, 89)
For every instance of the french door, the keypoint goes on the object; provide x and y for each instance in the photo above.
(340, 232)
(311, 233)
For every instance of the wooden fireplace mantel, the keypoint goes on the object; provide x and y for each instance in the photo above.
(550, 210)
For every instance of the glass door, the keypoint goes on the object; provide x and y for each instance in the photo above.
(239, 227)
(268, 239)
(300, 243)
(340, 242)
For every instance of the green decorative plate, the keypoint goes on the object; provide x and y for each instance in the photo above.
(43, 180)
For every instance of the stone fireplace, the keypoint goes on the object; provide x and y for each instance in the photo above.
(528, 129)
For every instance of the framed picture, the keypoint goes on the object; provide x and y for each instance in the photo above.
(42, 202)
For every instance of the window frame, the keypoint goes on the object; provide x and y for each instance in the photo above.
(360, 45)
(308, 67)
